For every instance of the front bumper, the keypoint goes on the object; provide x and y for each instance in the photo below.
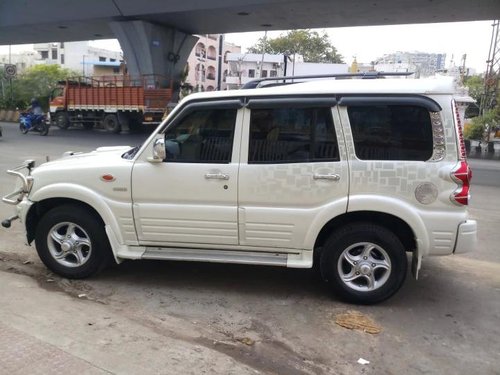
(466, 237)
(18, 197)
(26, 182)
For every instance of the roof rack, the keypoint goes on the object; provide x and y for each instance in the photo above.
(367, 75)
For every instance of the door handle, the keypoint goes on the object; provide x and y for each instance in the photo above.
(330, 176)
(216, 176)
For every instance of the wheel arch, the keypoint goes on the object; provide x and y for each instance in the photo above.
(49, 196)
(40, 208)
(398, 226)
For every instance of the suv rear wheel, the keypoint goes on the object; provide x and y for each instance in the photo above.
(72, 242)
(364, 263)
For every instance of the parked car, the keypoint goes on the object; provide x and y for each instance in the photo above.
(348, 175)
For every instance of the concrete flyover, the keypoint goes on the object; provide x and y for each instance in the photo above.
(156, 34)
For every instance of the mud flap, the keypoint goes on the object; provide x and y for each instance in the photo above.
(416, 263)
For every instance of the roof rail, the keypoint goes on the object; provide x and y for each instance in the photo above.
(367, 75)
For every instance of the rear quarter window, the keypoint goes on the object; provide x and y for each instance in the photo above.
(391, 132)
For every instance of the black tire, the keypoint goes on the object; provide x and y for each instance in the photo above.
(44, 129)
(87, 238)
(23, 129)
(351, 275)
(111, 124)
(61, 120)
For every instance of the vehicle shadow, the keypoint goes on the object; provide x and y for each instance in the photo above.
(215, 277)
(440, 286)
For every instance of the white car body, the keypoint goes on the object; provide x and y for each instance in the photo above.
(270, 214)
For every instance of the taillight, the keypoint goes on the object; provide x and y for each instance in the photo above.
(458, 125)
(462, 175)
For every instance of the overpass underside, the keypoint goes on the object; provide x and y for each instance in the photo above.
(156, 35)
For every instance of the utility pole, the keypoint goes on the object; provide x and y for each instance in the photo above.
(463, 71)
(263, 53)
(219, 62)
(10, 78)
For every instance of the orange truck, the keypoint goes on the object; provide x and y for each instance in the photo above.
(114, 103)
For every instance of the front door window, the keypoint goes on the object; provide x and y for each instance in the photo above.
(204, 136)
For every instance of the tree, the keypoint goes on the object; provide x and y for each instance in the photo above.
(490, 120)
(310, 44)
(481, 124)
(36, 82)
(475, 85)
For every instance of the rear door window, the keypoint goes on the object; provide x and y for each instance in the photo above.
(391, 132)
(292, 135)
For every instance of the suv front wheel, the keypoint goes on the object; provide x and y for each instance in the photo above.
(364, 263)
(72, 242)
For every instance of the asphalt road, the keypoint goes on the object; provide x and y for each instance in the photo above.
(167, 317)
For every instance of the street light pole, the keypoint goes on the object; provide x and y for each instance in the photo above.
(263, 53)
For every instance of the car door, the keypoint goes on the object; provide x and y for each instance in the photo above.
(191, 196)
(293, 174)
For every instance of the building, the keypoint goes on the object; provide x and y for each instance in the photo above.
(81, 57)
(22, 60)
(203, 63)
(249, 66)
(426, 64)
(306, 68)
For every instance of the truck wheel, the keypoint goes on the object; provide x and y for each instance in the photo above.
(111, 124)
(364, 263)
(72, 242)
(62, 120)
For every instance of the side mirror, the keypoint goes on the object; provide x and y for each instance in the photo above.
(159, 152)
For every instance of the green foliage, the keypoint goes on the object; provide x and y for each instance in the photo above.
(474, 130)
(476, 86)
(480, 124)
(36, 82)
(185, 88)
(310, 44)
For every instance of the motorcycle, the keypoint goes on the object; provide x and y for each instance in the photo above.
(31, 122)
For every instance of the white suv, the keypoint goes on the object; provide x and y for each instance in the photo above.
(349, 175)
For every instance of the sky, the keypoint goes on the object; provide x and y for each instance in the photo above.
(370, 42)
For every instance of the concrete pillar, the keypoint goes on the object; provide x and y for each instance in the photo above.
(154, 49)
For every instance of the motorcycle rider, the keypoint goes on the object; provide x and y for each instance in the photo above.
(35, 111)
(35, 108)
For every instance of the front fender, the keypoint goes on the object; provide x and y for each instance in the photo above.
(116, 215)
